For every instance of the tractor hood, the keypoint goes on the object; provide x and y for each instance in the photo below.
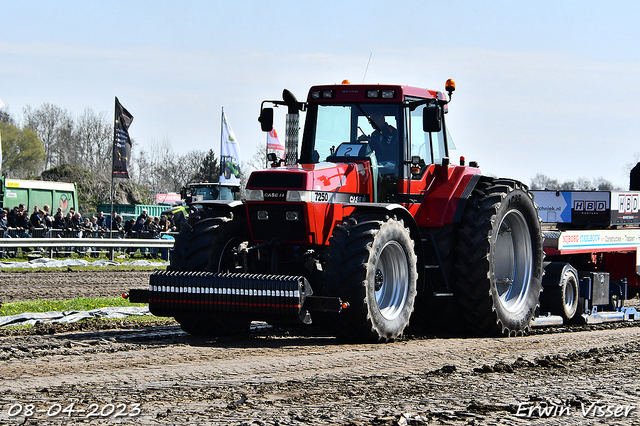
(306, 182)
(301, 203)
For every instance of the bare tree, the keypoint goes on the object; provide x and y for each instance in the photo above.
(544, 182)
(51, 123)
(6, 117)
(93, 137)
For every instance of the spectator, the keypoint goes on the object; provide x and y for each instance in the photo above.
(48, 220)
(117, 224)
(140, 222)
(128, 228)
(72, 225)
(77, 220)
(152, 227)
(37, 219)
(12, 217)
(94, 224)
(3, 222)
(101, 220)
(22, 224)
(163, 224)
(4, 228)
(110, 219)
(86, 227)
(58, 220)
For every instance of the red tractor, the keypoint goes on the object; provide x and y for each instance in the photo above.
(368, 228)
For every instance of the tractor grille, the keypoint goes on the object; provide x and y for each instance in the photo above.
(277, 225)
(256, 295)
(276, 180)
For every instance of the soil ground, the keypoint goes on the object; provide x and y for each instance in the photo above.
(113, 372)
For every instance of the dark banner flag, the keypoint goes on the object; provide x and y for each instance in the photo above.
(121, 142)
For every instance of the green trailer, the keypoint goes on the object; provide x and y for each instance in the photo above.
(128, 211)
(14, 192)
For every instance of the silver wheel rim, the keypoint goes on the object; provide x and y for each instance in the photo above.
(391, 280)
(569, 295)
(513, 261)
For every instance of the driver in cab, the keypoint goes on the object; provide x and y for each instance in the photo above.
(383, 140)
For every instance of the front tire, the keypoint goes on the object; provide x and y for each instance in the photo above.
(205, 243)
(371, 264)
(500, 259)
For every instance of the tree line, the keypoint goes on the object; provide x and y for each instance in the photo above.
(50, 142)
(581, 184)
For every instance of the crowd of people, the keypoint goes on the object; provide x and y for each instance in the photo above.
(20, 223)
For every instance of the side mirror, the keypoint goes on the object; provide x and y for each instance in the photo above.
(431, 121)
(416, 166)
(273, 158)
(266, 119)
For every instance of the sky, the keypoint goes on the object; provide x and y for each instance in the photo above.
(549, 87)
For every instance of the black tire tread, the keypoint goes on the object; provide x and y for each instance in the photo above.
(346, 275)
(473, 285)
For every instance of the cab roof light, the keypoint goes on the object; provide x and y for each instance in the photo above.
(388, 94)
(323, 94)
(346, 82)
(373, 93)
(450, 85)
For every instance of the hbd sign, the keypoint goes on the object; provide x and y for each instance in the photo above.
(589, 206)
(628, 203)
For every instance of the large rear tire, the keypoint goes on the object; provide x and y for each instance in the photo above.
(205, 243)
(500, 261)
(371, 264)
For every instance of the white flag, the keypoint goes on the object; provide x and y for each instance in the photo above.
(229, 154)
(274, 144)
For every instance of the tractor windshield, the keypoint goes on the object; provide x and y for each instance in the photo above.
(327, 126)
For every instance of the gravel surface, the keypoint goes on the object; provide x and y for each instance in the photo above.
(119, 373)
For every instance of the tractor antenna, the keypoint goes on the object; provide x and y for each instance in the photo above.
(367, 69)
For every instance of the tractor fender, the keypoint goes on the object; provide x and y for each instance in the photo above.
(401, 213)
(465, 196)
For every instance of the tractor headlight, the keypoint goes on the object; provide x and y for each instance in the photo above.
(255, 195)
(299, 196)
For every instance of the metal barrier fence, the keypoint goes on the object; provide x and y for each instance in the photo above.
(57, 242)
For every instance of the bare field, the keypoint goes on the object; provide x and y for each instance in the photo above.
(274, 376)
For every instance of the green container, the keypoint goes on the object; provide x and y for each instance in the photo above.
(132, 210)
(31, 193)
(151, 210)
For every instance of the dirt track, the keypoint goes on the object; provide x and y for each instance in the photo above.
(289, 377)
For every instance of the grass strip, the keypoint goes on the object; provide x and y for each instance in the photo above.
(77, 304)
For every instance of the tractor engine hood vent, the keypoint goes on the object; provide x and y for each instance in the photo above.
(281, 179)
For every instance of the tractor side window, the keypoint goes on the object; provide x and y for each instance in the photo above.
(440, 149)
(333, 127)
(431, 147)
(420, 141)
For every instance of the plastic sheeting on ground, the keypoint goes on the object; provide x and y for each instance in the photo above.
(55, 263)
(28, 318)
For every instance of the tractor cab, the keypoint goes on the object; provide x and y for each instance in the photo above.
(397, 130)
